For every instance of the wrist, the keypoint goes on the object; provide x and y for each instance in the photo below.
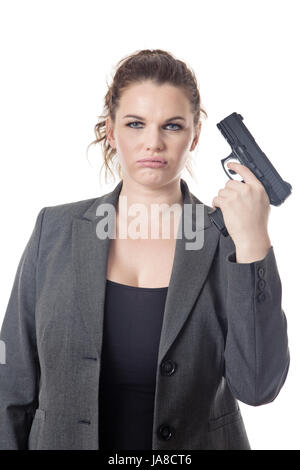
(249, 251)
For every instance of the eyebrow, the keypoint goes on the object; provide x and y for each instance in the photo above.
(143, 119)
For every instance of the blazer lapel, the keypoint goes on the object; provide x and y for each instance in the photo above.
(189, 271)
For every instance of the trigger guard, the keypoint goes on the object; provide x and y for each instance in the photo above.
(232, 172)
(229, 170)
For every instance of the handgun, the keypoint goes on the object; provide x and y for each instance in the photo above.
(245, 150)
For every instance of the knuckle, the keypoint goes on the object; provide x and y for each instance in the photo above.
(231, 184)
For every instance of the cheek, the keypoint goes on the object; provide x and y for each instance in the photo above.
(127, 141)
(125, 147)
(183, 141)
(182, 147)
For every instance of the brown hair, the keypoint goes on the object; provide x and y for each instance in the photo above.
(158, 66)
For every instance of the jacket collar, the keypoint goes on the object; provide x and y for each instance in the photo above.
(189, 271)
(112, 198)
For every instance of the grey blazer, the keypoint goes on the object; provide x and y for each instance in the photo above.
(223, 338)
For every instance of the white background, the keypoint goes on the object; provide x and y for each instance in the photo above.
(55, 59)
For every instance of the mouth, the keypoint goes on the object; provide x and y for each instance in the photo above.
(156, 160)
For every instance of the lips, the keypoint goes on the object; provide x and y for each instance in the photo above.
(160, 160)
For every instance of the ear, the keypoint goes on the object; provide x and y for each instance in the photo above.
(110, 132)
(197, 135)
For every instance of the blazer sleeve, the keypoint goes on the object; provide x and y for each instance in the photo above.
(256, 356)
(19, 371)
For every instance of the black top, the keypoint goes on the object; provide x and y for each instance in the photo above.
(131, 333)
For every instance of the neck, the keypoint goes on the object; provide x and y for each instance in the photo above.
(137, 193)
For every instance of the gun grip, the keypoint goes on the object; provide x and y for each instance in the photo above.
(217, 218)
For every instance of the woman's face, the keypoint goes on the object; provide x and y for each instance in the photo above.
(150, 135)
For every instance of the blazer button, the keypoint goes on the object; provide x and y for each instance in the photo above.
(261, 272)
(261, 284)
(261, 297)
(164, 432)
(168, 367)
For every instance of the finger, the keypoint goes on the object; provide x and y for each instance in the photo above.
(216, 202)
(244, 172)
(230, 191)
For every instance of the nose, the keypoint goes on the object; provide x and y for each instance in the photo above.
(153, 140)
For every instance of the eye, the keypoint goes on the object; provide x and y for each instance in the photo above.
(138, 122)
(178, 126)
(134, 122)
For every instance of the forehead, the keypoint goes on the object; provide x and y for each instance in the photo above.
(148, 97)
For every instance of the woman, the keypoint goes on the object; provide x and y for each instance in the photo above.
(126, 342)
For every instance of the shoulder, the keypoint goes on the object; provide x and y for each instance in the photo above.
(69, 209)
(56, 221)
(54, 224)
(85, 208)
